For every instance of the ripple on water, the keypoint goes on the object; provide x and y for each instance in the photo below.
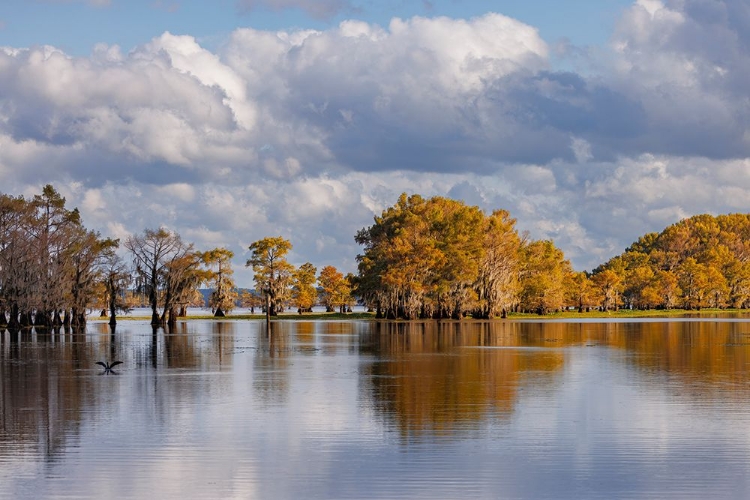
(441, 411)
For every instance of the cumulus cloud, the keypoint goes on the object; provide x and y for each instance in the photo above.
(687, 62)
(308, 134)
(354, 97)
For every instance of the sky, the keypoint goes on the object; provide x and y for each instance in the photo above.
(591, 122)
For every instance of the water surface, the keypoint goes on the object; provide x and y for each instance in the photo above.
(516, 409)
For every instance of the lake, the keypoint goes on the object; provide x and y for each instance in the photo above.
(636, 409)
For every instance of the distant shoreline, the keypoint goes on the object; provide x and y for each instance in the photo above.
(359, 316)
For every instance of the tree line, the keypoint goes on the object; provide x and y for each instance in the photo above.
(422, 258)
(54, 271)
(439, 258)
(702, 261)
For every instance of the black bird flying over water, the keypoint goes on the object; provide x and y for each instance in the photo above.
(108, 366)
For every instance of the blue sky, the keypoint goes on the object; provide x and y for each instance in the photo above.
(591, 122)
(76, 26)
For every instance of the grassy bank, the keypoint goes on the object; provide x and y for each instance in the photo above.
(634, 313)
(623, 313)
(255, 317)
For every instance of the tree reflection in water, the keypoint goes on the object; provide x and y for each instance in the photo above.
(207, 399)
(447, 377)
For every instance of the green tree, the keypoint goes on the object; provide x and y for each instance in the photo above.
(223, 296)
(638, 276)
(581, 292)
(497, 280)
(459, 231)
(273, 274)
(250, 300)
(609, 284)
(401, 257)
(87, 257)
(329, 280)
(544, 277)
(304, 293)
(183, 274)
(693, 280)
(335, 289)
(55, 234)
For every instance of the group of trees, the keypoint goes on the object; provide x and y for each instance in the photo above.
(53, 270)
(50, 264)
(422, 258)
(703, 261)
(440, 258)
(281, 284)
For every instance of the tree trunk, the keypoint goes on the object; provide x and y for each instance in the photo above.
(56, 319)
(113, 310)
(268, 309)
(152, 299)
(74, 317)
(172, 320)
(41, 319)
(26, 319)
(13, 320)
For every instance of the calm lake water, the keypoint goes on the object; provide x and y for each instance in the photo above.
(343, 410)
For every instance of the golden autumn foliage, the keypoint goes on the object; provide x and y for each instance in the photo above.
(421, 258)
(273, 274)
(703, 261)
(304, 293)
(335, 289)
(51, 266)
(219, 264)
(439, 258)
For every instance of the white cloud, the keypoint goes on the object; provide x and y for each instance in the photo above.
(581, 149)
(181, 191)
(306, 97)
(93, 201)
(190, 58)
(308, 134)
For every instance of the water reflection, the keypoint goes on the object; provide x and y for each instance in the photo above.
(41, 398)
(379, 410)
(432, 377)
(271, 379)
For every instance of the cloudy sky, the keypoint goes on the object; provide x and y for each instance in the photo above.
(592, 122)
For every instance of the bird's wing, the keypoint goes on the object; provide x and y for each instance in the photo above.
(115, 363)
(102, 363)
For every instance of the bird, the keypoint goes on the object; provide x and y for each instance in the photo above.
(108, 366)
